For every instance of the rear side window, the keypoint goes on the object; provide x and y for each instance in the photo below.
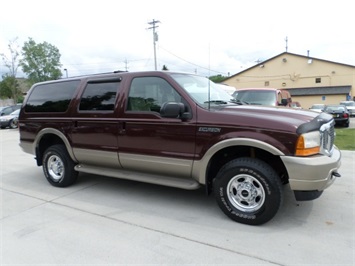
(51, 97)
(99, 96)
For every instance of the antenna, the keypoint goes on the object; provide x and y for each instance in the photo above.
(209, 74)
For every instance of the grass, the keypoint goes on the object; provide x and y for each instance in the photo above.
(345, 138)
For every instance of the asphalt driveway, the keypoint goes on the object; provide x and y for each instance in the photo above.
(106, 221)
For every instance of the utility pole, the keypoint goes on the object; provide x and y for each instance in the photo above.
(286, 40)
(155, 39)
(126, 64)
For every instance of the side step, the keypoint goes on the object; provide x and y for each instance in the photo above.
(189, 184)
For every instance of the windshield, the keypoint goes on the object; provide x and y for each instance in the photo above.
(335, 108)
(259, 97)
(198, 88)
(348, 104)
(317, 107)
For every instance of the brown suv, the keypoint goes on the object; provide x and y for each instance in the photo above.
(179, 130)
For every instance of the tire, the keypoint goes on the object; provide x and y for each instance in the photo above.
(58, 167)
(13, 123)
(248, 191)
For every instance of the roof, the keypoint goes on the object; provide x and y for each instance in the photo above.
(330, 90)
(256, 89)
(287, 53)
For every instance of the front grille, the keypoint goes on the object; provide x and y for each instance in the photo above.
(327, 135)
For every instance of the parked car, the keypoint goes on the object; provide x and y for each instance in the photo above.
(295, 105)
(10, 120)
(350, 105)
(340, 113)
(6, 110)
(318, 107)
(263, 96)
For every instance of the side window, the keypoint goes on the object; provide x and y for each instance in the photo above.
(149, 93)
(51, 97)
(99, 96)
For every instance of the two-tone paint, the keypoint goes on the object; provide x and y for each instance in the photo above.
(187, 153)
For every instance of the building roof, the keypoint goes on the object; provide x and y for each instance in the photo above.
(287, 53)
(329, 90)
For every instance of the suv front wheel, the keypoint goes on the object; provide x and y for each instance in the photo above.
(58, 167)
(248, 191)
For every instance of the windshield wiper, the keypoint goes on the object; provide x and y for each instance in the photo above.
(237, 101)
(216, 102)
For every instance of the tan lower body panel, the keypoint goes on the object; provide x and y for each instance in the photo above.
(169, 181)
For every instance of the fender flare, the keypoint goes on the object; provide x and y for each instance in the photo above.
(199, 168)
(59, 134)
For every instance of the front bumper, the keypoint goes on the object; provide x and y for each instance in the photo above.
(4, 123)
(314, 173)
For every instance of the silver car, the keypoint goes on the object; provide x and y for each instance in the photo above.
(350, 105)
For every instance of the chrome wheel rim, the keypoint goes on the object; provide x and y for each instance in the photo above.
(55, 167)
(246, 193)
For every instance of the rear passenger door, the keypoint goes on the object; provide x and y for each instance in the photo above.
(95, 125)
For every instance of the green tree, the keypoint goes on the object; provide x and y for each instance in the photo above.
(41, 61)
(217, 78)
(9, 88)
(12, 61)
(165, 68)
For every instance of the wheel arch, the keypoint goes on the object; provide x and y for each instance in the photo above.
(218, 155)
(48, 137)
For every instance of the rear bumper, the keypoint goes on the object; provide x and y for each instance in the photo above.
(314, 173)
(27, 147)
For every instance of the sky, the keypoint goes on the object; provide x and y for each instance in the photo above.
(220, 37)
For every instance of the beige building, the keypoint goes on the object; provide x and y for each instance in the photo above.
(309, 80)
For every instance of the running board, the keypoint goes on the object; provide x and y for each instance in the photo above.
(189, 184)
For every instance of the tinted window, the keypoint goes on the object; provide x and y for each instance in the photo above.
(149, 93)
(99, 96)
(51, 97)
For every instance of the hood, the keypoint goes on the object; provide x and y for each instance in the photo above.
(275, 118)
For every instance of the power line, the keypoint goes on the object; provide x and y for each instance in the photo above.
(205, 68)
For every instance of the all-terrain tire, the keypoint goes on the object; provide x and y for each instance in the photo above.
(58, 167)
(248, 191)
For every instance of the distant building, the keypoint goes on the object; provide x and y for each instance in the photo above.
(309, 80)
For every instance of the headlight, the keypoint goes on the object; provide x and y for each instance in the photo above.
(308, 144)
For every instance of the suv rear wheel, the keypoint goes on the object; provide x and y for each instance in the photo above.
(58, 167)
(248, 191)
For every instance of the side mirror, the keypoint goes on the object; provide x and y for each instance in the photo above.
(172, 109)
(284, 102)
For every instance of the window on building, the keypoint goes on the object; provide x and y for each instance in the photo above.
(318, 80)
(267, 83)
